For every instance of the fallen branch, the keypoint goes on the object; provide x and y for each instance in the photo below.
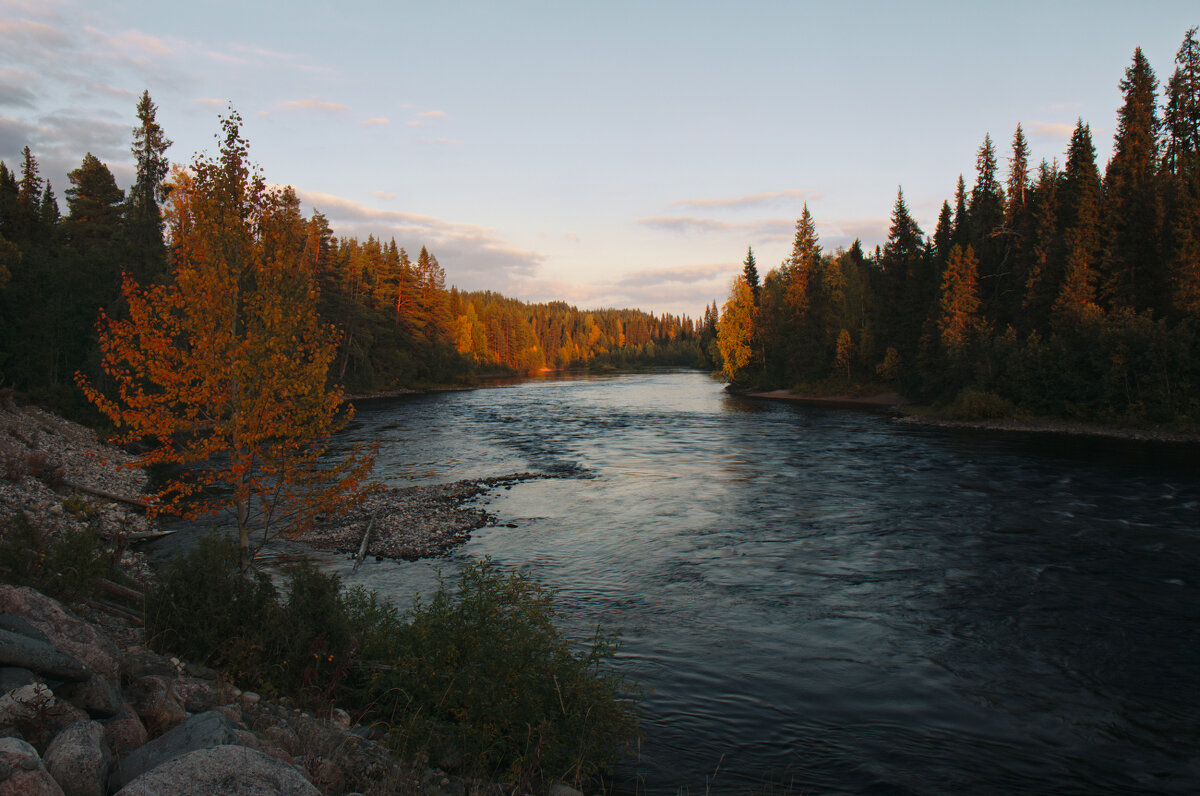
(362, 548)
(124, 592)
(139, 503)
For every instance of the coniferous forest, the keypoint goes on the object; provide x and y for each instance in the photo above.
(398, 324)
(1051, 288)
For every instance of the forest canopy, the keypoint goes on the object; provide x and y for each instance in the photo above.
(1053, 287)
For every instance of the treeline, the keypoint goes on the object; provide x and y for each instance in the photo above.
(1054, 288)
(398, 323)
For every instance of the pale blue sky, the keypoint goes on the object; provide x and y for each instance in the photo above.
(607, 154)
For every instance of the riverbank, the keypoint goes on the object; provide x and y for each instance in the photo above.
(413, 522)
(908, 413)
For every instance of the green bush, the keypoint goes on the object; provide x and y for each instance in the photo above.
(979, 405)
(485, 671)
(66, 568)
(482, 671)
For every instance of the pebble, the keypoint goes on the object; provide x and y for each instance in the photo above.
(409, 523)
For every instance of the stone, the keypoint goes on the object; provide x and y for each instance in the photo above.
(14, 677)
(40, 657)
(562, 790)
(16, 624)
(194, 694)
(138, 663)
(152, 701)
(79, 758)
(27, 776)
(125, 731)
(228, 770)
(70, 634)
(340, 718)
(250, 698)
(199, 732)
(37, 713)
(96, 695)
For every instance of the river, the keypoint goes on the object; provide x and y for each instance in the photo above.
(826, 601)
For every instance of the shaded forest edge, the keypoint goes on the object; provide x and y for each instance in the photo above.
(398, 326)
(1058, 293)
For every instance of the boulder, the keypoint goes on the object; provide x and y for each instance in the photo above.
(18, 625)
(152, 700)
(37, 713)
(25, 774)
(228, 770)
(125, 731)
(139, 663)
(194, 694)
(14, 677)
(41, 657)
(79, 759)
(96, 695)
(70, 634)
(201, 731)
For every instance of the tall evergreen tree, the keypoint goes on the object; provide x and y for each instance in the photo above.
(1132, 206)
(803, 264)
(143, 217)
(750, 272)
(1018, 177)
(1076, 303)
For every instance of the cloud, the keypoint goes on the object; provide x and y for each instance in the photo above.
(474, 257)
(1058, 130)
(14, 136)
(14, 89)
(414, 124)
(432, 114)
(682, 290)
(385, 195)
(36, 32)
(223, 57)
(750, 200)
(210, 101)
(373, 121)
(450, 141)
(314, 104)
(762, 229)
(131, 40)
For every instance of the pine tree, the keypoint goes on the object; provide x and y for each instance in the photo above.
(1182, 120)
(143, 216)
(1181, 246)
(750, 272)
(802, 266)
(1076, 303)
(959, 303)
(1132, 205)
(1018, 177)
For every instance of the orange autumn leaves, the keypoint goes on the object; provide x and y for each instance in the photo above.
(224, 370)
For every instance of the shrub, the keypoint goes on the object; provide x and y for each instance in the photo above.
(979, 405)
(486, 670)
(67, 567)
(204, 609)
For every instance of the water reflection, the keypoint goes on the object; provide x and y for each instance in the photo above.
(830, 599)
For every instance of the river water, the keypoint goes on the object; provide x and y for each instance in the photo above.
(826, 601)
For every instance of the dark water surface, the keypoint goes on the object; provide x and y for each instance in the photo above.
(831, 602)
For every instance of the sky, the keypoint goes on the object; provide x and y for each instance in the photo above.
(615, 154)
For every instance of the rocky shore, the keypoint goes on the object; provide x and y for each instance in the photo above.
(87, 708)
(412, 522)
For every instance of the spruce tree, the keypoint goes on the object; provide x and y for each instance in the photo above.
(750, 272)
(143, 216)
(1132, 207)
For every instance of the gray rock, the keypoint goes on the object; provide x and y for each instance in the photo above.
(228, 770)
(16, 624)
(201, 731)
(79, 639)
(194, 693)
(37, 713)
(27, 776)
(125, 731)
(139, 663)
(40, 657)
(14, 677)
(152, 700)
(79, 758)
(96, 695)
